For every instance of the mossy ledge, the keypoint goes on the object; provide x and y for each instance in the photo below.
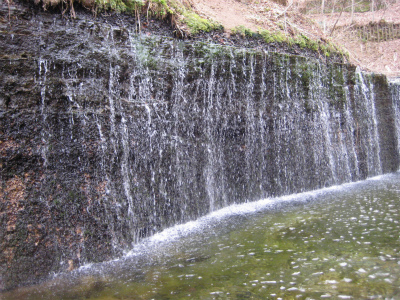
(180, 13)
(302, 41)
(186, 23)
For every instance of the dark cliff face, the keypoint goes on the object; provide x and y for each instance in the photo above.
(107, 137)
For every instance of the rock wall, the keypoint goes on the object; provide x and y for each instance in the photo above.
(108, 136)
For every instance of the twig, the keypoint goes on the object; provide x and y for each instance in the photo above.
(284, 12)
(302, 30)
(73, 15)
(137, 13)
(334, 26)
(147, 11)
(9, 9)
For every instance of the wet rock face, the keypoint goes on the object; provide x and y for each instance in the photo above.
(107, 136)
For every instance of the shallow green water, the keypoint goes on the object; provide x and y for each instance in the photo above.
(340, 243)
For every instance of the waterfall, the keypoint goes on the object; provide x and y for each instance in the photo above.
(138, 133)
(42, 82)
(395, 92)
(207, 126)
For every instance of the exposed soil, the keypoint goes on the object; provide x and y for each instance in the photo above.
(390, 14)
(255, 15)
(382, 57)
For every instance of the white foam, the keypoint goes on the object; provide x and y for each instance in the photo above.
(169, 235)
(182, 230)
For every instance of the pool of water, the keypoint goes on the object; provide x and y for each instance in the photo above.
(339, 243)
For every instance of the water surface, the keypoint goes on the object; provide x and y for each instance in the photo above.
(339, 243)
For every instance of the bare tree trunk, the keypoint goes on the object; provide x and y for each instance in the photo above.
(341, 11)
(291, 2)
(372, 10)
(323, 15)
(333, 8)
(352, 11)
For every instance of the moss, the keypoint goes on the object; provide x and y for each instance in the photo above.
(151, 64)
(305, 80)
(197, 24)
(325, 50)
(277, 36)
(305, 42)
(336, 81)
(266, 35)
(181, 15)
(119, 5)
(159, 8)
(242, 31)
(146, 57)
(301, 40)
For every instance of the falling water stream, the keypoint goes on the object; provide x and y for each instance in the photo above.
(340, 243)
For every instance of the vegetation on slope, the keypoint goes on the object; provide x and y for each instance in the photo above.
(301, 40)
(371, 33)
(179, 12)
(361, 6)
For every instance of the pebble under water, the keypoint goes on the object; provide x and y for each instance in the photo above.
(339, 243)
